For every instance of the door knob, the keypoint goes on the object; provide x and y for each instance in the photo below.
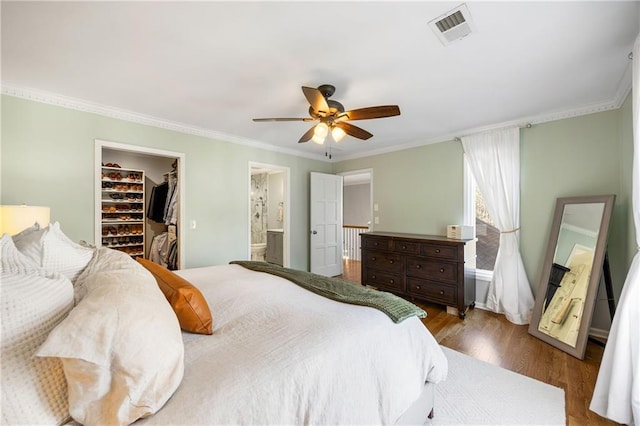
(314, 232)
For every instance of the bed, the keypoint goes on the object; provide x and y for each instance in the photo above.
(277, 353)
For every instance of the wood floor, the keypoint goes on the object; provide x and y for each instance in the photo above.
(491, 338)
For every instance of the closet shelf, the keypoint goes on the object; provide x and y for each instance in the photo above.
(115, 191)
(123, 180)
(120, 211)
(111, 245)
(120, 198)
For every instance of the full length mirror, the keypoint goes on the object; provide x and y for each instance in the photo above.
(571, 272)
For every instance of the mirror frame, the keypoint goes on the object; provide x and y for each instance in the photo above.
(594, 279)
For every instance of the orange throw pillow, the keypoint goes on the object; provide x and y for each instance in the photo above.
(188, 303)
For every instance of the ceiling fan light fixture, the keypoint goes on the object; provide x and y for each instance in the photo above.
(337, 133)
(321, 130)
(317, 139)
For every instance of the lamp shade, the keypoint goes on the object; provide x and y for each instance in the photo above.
(14, 219)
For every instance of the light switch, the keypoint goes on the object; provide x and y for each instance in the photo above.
(376, 220)
(375, 207)
(192, 225)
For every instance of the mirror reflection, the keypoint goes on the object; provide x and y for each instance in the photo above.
(569, 279)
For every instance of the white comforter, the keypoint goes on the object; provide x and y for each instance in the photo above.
(282, 355)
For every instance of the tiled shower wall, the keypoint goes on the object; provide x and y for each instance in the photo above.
(259, 210)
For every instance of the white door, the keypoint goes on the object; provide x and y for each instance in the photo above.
(325, 240)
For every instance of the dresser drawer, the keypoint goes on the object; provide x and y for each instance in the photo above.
(432, 291)
(387, 262)
(432, 269)
(406, 247)
(384, 280)
(439, 251)
(379, 243)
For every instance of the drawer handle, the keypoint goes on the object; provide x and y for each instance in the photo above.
(441, 269)
(391, 281)
(391, 261)
(441, 292)
(373, 258)
(404, 247)
(373, 277)
(417, 287)
(376, 243)
(437, 250)
(418, 266)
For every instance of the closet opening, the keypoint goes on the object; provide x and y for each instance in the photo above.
(269, 235)
(139, 202)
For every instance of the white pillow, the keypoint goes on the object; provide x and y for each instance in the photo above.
(63, 255)
(30, 243)
(12, 260)
(34, 390)
(52, 250)
(121, 346)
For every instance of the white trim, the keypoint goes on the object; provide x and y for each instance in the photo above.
(624, 89)
(469, 212)
(358, 172)
(483, 306)
(599, 333)
(100, 144)
(469, 195)
(578, 230)
(286, 240)
(147, 120)
(484, 275)
(521, 122)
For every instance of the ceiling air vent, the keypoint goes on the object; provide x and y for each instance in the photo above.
(453, 25)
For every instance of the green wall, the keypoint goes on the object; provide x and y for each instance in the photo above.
(418, 190)
(573, 157)
(48, 159)
(421, 189)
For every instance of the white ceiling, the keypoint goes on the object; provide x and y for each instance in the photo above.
(210, 67)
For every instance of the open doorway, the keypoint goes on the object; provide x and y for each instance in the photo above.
(357, 218)
(126, 176)
(268, 214)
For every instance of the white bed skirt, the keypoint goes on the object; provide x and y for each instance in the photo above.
(418, 412)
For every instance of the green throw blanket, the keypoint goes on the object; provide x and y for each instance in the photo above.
(395, 307)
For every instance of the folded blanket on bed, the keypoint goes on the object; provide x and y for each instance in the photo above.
(395, 307)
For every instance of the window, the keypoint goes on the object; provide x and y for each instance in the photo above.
(487, 235)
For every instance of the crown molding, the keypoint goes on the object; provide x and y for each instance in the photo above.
(624, 88)
(147, 120)
(625, 85)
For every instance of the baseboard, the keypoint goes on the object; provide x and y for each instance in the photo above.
(599, 333)
(482, 306)
(594, 332)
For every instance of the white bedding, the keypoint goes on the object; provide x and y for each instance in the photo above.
(282, 355)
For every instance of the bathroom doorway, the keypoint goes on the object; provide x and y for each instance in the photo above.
(269, 213)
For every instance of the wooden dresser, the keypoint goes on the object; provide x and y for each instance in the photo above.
(427, 267)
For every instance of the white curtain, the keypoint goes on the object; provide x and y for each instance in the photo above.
(617, 392)
(494, 160)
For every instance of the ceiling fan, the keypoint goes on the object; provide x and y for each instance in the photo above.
(333, 118)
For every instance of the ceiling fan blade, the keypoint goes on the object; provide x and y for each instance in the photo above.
(372, 112)
(307, 136)
(283, 119)
(354, 131)
(315, 98)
